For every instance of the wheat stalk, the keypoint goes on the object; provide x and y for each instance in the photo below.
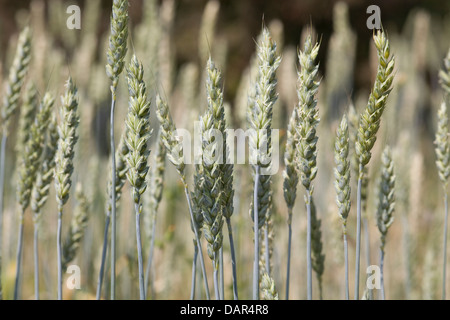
(28, 169)
(64, 160)
(306, 130)
(369, 123)
(385, 205)
(41, 190)
(342, 185)
(175, 156)
(77, 227)
(260, 120)
(115, 57)
(16, 77)
(120, 178)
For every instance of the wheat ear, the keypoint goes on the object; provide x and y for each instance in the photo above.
(369, 123)
(385, 205)
(28, 169)
(260, 120)
(175, 156)
(28, 111)
(342, 185)
(308, 114)
(115, 63)
(16, 77)
(41, 190)
(64, 160)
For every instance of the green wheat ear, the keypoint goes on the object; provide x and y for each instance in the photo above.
(444, 75)
(442, 145)
(369, 122)
(269, 292)
(117, 42)
(16, 77)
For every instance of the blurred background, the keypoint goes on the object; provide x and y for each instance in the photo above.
(173, 39)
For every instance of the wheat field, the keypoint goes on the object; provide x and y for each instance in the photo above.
(122, 177)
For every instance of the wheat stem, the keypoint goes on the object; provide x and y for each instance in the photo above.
(36, 261)
(256, 236)
(233, 259)
(2, 184)
(139, 250)
(19, 258)
(288, 267)
(59, 253)
(444, 264)
(113, 200)
(358, 233)
(194, 273)
(102, 265)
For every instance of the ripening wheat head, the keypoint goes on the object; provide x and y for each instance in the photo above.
(444, 75)
(117, 41)
(66, 143)
(442, 145)
(369, 122)
(308, 114)
(342, 170)
(138, 129)
(16, 77)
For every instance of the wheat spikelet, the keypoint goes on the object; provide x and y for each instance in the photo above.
(369, 122)
(31, 156)
(16, 77)
(117, 42)
(77, 227)
(269, 292)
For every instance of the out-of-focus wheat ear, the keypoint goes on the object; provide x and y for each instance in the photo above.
(442, 148)
(16, 77)
(268, 290)
(385, 205)
(17, 74)
(444, 76)
(318, 257)
(175, 156)
(27, 172)
(138, 133)
(68, 137)
(156, 184)
(28, 110)
(369, 123)
(41, 191)
(77, 227)
(342, 185)
(290, 183)
(308, 114)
